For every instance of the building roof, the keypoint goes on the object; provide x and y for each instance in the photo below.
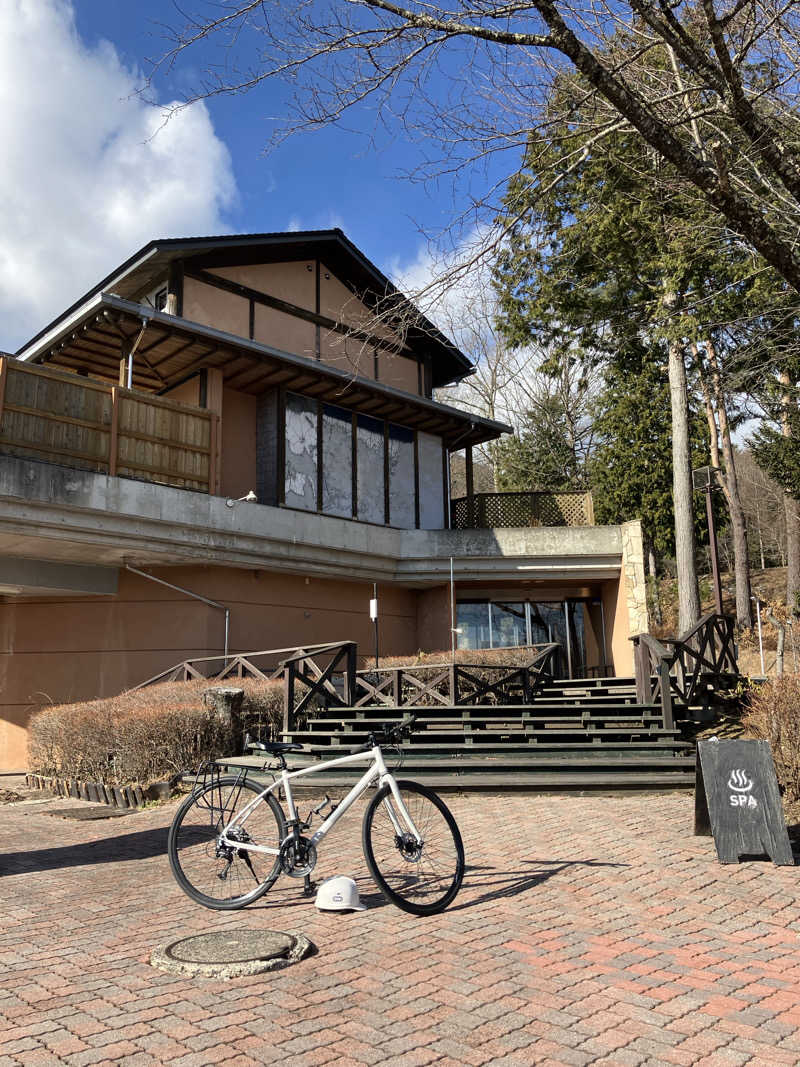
(144, 269)
(168, 349)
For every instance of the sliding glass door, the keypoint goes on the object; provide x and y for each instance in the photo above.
(508, 624)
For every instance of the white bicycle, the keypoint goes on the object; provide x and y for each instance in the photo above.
(230, 840)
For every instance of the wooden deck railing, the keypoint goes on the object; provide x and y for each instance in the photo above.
(682, 668)
(453, 684)
(89, 425)
(484, 511)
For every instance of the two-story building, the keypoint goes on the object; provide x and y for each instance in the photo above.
(288, 368)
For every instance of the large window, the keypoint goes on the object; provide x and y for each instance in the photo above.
(337, 462)
(300, 482)
(505, 624)
(337, 467)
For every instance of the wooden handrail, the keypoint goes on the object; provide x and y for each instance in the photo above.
(306, 650)
(682, 669)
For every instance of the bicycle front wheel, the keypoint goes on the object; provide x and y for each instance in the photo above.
(217, 876)
(419, 878)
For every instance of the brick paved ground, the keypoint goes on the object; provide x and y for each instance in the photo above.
(588, 931)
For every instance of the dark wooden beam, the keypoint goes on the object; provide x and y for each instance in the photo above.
(297, 312)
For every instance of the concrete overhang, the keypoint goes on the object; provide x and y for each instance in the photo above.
(53, 513)
(20, 576)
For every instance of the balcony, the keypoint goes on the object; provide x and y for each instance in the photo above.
(89, 425)
(486, 511)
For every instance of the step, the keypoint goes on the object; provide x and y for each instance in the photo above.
(385, 713)
(534, 780)
(474, 721)
(456, 753)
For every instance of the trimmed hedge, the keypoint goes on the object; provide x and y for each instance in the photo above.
(144, 735)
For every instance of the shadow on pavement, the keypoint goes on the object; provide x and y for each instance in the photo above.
(143, 844)
(495, 884)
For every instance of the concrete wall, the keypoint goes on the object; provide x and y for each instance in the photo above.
(58, 650)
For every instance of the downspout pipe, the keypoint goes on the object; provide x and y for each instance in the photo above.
(195, 596)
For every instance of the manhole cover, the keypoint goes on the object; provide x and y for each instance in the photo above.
(231, 953)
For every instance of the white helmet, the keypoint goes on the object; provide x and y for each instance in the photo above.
(338, 894)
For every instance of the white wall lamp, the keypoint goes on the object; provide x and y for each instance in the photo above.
(249, 498)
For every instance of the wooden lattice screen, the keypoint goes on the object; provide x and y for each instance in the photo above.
(487, 510)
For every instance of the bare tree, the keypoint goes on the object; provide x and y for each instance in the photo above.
(471, 79)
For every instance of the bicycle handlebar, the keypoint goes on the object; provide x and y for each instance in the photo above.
(392, 734)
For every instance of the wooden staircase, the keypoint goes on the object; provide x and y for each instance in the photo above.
(579, 735)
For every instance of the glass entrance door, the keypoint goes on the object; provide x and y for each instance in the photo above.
(507, 624)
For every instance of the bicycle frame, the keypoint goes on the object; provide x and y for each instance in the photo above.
(375, 772)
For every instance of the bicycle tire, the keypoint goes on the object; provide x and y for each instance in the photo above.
(414, 882)
(192, 848)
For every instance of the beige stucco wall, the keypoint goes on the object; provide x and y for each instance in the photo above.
(238, 443)
(62, 650)
(296, 284)
(286, 332)
(216, 308)
(399, 372)
(187, 392)
(293, 282)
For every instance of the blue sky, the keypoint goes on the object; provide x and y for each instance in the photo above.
(91, 171)
(315, 180)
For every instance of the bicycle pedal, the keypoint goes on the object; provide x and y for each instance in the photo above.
(309, 887)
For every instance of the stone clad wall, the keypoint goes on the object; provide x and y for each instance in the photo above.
(633, 573)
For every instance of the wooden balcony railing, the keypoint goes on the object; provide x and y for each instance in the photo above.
(485, 511)
(89, 425)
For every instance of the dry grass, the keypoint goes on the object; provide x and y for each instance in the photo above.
(485, 657)
(773, 716)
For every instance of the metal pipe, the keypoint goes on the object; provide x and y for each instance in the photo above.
(134, 346)
(712, 540)
(188, 592)
(760, 642)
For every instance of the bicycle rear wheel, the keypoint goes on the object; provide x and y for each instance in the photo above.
(421, 879)
(222, 877)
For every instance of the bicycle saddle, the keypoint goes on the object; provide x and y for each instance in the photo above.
(274, 747)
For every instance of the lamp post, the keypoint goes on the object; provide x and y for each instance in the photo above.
(373, 614)
(704, 478)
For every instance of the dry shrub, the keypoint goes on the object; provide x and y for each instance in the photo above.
(489, 657)
(146, 734)
(774, 716)
(488, 665)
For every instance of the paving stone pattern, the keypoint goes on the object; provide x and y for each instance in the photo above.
(589, 930)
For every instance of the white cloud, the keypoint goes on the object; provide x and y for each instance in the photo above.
(90, 171)
(453, 288)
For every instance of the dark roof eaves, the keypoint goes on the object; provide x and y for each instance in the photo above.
(201, 243)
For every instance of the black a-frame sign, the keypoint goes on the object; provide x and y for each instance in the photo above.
(737, 799)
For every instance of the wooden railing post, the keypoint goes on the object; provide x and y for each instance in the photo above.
(213, 465)
(453, 684)
(641, 665)
(666, 693)
(350, 674)
(113, 443)
(288, 697)
(397, 686)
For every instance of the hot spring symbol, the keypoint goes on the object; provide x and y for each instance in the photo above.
(739, 782)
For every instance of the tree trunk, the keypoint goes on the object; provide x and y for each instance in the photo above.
(792, 513)
(741, 552)
(688, 595)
